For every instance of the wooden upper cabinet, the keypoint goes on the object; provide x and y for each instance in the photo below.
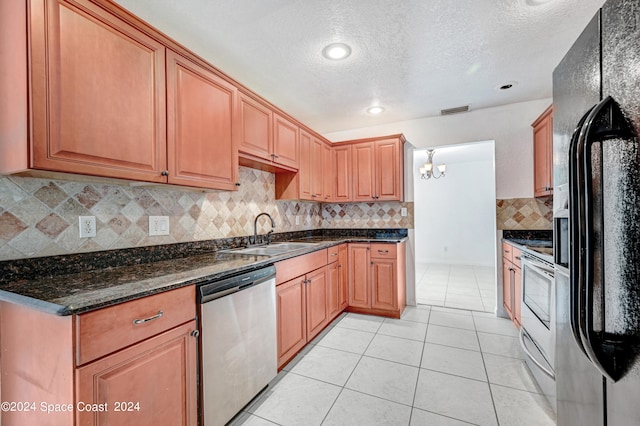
(343, 173)
(378, 167)
(98, 93)
(305, 172)
(256, 135)
(328, 173)
(543, 154)
(317, 181)
(285, 142)
(389, 170)
(364, 164)
(201, 124)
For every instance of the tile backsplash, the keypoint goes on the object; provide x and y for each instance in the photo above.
(525, 213)
(39, 217)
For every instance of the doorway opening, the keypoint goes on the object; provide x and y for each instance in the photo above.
(455, 227)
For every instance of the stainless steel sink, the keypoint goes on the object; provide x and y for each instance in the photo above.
(271, 249)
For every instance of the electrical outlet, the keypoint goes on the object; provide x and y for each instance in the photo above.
(403, 212)
(87, 225)
(158, 225)
(297, 220)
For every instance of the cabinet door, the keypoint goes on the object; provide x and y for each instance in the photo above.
(517, 296)
(343, 276)
(255, 128)
(327, 171)
(317, 298)
(389, 167)
(343, 168)
(305, 170)
(384, 288)
(152, 383)
(317, 180)
(285, 142)
(363, 171)
(98, 92)
(333, 284)
(291, 310)
(543, 154)
(359, 267)
(201, 113)
(506, 286)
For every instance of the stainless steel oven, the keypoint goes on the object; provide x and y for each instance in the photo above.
(538, 331)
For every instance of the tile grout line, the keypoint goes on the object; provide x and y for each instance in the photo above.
(484, 364)
(343, 387)
(415, 389)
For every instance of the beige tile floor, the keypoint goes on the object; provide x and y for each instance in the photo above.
(435, 366)
(456, 286)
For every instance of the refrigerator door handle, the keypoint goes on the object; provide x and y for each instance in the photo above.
(610, 353)
(576, 221)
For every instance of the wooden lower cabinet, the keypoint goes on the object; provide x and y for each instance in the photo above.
(377, 278)
(359, 270)
(307, 303)
(150, 383)
(337, 283)
(317, 302)
(512, 282)
(291, 314)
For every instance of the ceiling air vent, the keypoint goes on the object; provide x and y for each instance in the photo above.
(455, 110)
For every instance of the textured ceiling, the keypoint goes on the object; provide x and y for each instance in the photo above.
(414, 57)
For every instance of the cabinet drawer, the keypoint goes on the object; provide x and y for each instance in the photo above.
(507, 252)
(332, 254)
(383, 250)
(296, 266)
(107, 330)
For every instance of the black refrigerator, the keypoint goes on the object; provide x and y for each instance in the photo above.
(596, 97)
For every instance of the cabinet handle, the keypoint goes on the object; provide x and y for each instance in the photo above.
(518, 258)
(383, 251)
(164, 173)
(506, 251)
(142, 321)
(314, 195)
(195, 333)
(334, 254)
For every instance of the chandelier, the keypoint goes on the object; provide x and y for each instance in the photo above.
(427, 172)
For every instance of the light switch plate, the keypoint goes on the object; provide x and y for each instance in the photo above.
(403, 212)
(87, 225)
(158, 225)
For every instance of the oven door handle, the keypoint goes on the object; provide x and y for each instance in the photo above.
(526, 350)
(610, 353)
(538, 267)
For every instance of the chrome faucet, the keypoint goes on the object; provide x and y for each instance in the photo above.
(255, 228)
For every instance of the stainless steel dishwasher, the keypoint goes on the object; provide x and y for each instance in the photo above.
(239, 342)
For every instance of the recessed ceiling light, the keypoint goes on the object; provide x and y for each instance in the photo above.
(537, 2)
(336, 51)
(375, 110)
(508, 85)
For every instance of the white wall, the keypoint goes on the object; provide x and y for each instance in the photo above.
(455, 215)
(508, 125)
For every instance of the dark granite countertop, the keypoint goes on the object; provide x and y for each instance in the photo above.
(78, 292)
(536, 243)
